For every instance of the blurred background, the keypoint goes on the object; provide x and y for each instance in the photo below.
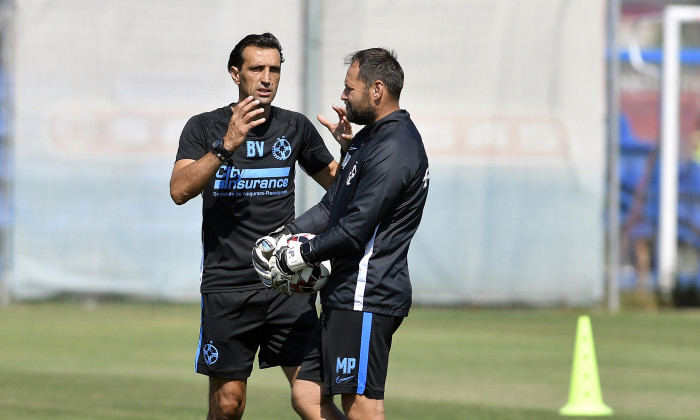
(542, 120)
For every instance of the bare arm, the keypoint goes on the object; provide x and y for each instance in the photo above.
(325, 176)
(189, 177)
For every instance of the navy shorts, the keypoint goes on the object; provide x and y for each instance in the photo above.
(236, 324)
(349, 352)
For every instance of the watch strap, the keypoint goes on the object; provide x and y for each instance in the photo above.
(220, 151)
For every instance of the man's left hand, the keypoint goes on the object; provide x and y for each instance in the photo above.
(284, 264)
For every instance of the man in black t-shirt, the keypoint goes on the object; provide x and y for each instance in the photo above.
(241, 159)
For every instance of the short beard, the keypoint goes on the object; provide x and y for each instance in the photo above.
(362, 115)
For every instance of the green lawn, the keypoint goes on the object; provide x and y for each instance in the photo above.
(136, 361)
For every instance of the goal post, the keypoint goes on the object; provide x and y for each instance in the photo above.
(667, 246)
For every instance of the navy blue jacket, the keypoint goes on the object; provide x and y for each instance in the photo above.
(366, 220)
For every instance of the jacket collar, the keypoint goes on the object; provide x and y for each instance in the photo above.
(371, 130)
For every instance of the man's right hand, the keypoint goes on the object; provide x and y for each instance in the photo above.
(246, 115)
(342, 130)
(190, 177)
(264, 250)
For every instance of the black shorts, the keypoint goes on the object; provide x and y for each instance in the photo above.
(349, 352)
(236, 324)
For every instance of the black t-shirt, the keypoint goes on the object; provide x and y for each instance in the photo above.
(252, 193)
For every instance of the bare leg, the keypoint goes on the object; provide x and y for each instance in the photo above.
(291, 373)
(310, 403)
(359, 407)
(226, 398)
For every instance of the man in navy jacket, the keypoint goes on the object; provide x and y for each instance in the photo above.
(364, 225)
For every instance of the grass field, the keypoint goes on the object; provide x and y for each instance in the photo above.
(136, 361)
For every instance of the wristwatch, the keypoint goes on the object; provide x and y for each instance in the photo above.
(218, 149)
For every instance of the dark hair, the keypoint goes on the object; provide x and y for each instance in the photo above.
(264, 41)
(379, 64)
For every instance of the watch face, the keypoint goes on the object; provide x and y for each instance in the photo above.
(217, 143)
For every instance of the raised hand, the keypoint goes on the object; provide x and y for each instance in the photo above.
(246, 115)
(342, 130)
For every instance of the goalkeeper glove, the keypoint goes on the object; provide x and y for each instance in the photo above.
(264, 249)
(262, 252)
(284, 265)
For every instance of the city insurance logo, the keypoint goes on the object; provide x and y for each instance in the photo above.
(233, 182)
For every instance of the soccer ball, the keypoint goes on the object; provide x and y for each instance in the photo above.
(309, 279)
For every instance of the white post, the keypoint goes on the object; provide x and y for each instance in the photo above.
(307, 190)
(668, 209)
(613, 130)
(7, 32)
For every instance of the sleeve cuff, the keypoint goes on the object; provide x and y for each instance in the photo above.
(307, 252)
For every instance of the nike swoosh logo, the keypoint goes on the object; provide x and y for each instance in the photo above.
(340, 380)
